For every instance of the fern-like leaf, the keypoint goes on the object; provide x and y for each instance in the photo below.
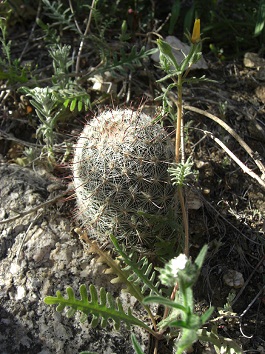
(73, 97)
(102, 307)
(59, 16)
(221, 344)
(180, 172)
(123, 60)
(114, 266)
(124, 274)
(141, 272)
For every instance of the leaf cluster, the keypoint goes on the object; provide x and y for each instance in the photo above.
(140, 279)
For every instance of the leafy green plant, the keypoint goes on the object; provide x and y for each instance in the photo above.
(10, 69)
(141, 281)
(65, 96)
(51, 103)
(240, 21)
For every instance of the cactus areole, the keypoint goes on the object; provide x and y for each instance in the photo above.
(121, 180)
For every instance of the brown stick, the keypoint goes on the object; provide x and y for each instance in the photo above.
(32, 210)
(237, 161)
(230, 131)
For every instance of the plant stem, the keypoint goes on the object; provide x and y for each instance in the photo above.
(185, 220)
(77, 67)
(179, 119)
(230, 131)
(179, 125)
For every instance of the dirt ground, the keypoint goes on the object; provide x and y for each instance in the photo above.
(230, 217)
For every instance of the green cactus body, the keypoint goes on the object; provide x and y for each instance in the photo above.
(121, 180)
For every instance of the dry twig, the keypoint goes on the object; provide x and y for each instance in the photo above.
(32, 210)
(239, 140)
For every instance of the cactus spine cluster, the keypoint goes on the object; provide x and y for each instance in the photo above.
(121, 178)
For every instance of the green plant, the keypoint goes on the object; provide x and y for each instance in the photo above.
(240, 21)
(65, 95)
(10, 69)
(51, 103)
(140, 280)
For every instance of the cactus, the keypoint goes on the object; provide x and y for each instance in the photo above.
(121, 179)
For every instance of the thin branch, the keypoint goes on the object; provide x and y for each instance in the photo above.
(73, 13)
(232, 132)
(77, 67)
(32, 31)
(247, 281)
(237, 161)
(25, 235)
(32, 210)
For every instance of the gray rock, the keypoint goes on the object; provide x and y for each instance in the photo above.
(51, 259)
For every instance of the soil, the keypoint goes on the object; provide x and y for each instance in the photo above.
(41, 253)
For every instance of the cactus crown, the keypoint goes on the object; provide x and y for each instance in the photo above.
(121, 178)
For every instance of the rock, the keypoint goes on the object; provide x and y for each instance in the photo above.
(260, 93)
(252, 60)
(233, 279)
(50, 259)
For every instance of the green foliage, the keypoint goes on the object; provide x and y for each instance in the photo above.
(180, 172)
(141, 273)
(52, 102)
(241, 22)
(61, 63)
(182, 17)
(102, 307)
(136, 346)
(181, 322)
(119, 62)
(221, 344)
(61, 17)
(10, 69)
(136, 275)
(260, 21)
(182, 307)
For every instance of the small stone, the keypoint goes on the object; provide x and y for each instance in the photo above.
(233, 279)
(252, 60)
(260, 93)
(14, 268)
(21, 292)
(193, 201)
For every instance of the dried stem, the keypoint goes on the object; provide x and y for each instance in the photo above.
(230, 131)
(179, 142)
(77, 67)
(36, 208)
(237, 161)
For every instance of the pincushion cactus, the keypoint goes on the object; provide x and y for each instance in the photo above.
(121, 178)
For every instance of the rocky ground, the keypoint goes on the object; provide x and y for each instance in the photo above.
(39, 255)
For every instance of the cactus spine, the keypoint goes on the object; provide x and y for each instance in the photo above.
(121, 180)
